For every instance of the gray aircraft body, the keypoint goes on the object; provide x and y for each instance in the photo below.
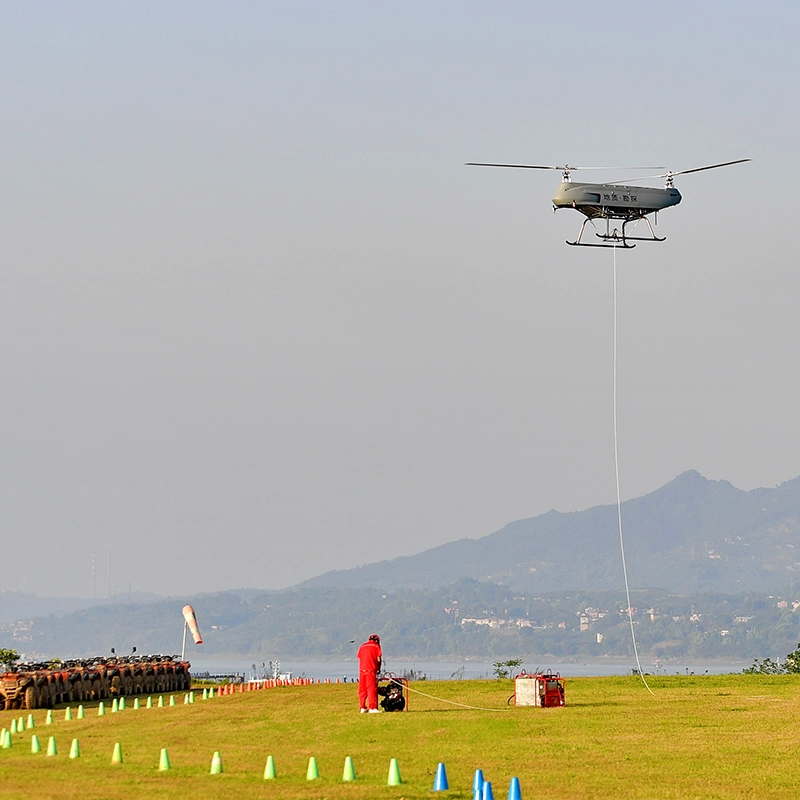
(613, 201)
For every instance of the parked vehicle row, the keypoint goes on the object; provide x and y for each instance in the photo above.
(46, 685)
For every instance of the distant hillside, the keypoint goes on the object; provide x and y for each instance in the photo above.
(691, 535)
(468, 619)
(16, 605)
(712, 569)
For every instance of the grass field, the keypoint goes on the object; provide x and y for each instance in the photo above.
(720, 736)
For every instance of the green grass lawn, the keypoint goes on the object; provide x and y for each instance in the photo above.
(729, 736)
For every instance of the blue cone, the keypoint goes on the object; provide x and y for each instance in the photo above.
(440, 783)
(487, 791)
(514, 792)
(477, 785)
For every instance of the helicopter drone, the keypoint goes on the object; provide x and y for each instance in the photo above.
(611, 201)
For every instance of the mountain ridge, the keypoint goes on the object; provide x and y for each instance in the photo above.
(690, 534)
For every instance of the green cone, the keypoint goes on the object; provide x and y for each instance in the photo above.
(67, 713)
(191, 698)
(136, 704)
(52, 750)
(205, 694)
(149, 702)
(312, 773)
(48, 720)
(394, 774)
(21, 724)
(172, 699)
(101, 709)
(211, 693)
(75, 749)
(269, 770)
(35, 746)
(116, 756)
(161, 701)
(349, 773)
(122, 704)
(5, 739)
(81, 712)
(14, 725)
(216, 763)
(114, 706)
(163, 761)
(30, 721)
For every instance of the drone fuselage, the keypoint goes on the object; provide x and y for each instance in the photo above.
(614, 201)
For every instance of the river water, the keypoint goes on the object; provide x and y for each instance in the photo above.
(444, 670)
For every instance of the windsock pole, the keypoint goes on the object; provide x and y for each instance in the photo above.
(183, 649)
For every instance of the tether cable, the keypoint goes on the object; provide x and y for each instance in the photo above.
(619, 500)
(442, 700)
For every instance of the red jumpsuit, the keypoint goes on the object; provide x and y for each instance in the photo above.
(369, 664)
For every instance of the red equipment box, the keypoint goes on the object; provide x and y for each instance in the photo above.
(544, 689)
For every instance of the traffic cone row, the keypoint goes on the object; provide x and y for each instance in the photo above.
(256, 685)
(482, 789)
(19, 725)
(348, 773)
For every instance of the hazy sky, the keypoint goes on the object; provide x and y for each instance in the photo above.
(259, 321)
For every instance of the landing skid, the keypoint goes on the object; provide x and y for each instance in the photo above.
(593, 244)
(615, 237)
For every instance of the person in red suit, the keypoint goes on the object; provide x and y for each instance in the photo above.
(369, 665)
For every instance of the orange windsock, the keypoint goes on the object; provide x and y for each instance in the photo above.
(191, 621)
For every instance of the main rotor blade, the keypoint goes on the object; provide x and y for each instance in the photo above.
(643, 178)
(683, 171)
(540, 166)
(713, 166)
(517, 166)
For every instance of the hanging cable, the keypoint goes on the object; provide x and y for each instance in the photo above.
(442, 700)
(619, 500)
